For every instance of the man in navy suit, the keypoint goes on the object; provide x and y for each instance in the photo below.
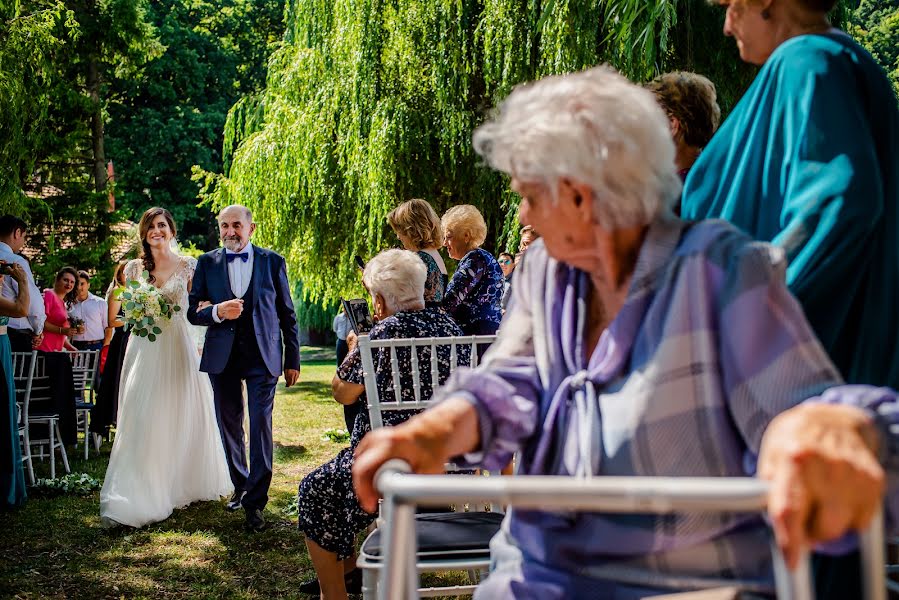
(251, 337)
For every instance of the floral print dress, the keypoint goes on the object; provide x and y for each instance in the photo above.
(435, 284)
(329, 512)
(474, 293)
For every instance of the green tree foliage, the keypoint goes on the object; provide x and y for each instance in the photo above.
(172, 116)
(876, 25)
(74, 233)
(372, 102)
(57, 60)
(31, 36)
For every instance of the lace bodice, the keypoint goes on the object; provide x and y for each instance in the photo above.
(175, 289)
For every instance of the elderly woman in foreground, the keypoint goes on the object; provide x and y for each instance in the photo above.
(329, 513)
(639, 344)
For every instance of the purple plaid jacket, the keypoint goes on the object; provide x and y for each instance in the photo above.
(708, 348)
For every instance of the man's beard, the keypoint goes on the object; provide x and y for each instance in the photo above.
(232, 243)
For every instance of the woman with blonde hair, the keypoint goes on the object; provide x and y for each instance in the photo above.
(419, 230)
(473, 295)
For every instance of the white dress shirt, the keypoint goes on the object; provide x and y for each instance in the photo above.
(36, 312)
(94, 312)
(239, 274)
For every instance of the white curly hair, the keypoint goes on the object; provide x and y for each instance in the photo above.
(399, 276)
(594, 127)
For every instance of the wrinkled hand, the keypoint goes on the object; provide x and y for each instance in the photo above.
(291, 376)
(425, 454)
(825, 479)
(352, 340)
(230, 309)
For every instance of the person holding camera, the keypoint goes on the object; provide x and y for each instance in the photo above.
(57, 329)
(24, 332)
(12, 476)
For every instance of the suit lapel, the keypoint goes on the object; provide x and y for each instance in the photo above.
(260, 263)
(223, 270)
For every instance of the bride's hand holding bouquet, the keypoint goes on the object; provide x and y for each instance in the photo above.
(145, 308)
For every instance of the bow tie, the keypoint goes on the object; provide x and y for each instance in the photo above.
(244, 256)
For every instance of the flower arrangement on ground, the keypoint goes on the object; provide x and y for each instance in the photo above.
(145, 308)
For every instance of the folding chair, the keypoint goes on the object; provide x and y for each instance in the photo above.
(450, 541)
(23, 369)
(659, 495)
(36, 388)
(84, 376)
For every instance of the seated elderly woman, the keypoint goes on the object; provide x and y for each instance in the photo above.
(474, 293)
(641, 345)
(329, 513)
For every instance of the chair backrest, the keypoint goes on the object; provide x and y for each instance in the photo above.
(23, 364)
(422, 355)
(30, 377)
(84, 370)
(659, 495)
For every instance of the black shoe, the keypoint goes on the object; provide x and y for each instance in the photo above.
(352, 581)
(234, 502)
(255, 521)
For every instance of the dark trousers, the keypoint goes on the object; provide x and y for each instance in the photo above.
(228, 389)
(19, 340)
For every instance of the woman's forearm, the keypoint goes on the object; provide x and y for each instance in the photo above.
(449, 428)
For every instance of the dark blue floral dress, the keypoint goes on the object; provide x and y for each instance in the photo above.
(474, 293)
(435, 284)
(329, 513)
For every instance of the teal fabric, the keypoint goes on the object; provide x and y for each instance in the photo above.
(809, 160)
(12, 477)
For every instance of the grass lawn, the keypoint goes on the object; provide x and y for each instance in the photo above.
(54, 547)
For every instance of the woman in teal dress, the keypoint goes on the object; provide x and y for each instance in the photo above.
(809, 160)
(12, 476)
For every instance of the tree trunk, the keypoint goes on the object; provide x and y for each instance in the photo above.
(99, 154)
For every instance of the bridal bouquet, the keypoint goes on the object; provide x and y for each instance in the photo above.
(144, 308)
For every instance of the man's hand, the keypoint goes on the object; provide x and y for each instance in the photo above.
(203, 304)
(37, 340)
(291, 376)
(230, 309)
(18, 273)
(821, 460)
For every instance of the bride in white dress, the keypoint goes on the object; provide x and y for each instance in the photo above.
(168, 451)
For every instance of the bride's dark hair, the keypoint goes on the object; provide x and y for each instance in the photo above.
(143, 227)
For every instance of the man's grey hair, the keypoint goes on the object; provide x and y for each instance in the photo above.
(247, 213)
(399, 276)
(595, 128)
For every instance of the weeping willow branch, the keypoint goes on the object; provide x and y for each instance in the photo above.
(372, 102)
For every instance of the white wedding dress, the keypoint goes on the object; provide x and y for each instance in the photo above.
(168, 451)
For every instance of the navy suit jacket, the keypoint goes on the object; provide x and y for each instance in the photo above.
(273, 317)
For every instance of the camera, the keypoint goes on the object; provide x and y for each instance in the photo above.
(6, 268)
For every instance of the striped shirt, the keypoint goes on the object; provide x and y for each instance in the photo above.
(708, 347)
